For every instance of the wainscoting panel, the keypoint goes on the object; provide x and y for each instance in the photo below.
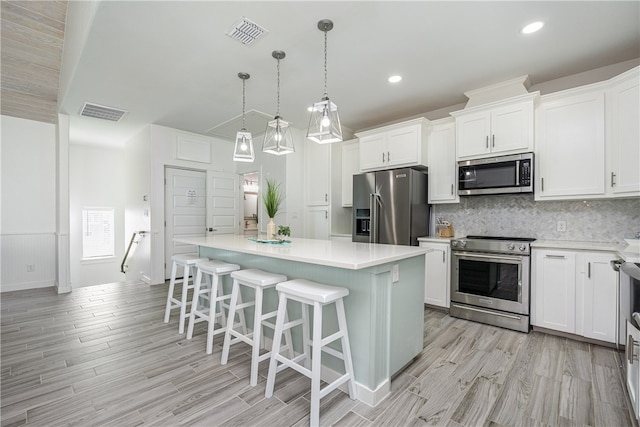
(28, 261)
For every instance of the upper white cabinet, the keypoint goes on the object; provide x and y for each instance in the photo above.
(623, 134)
(504, 127)
(570, 144)
(317, 173)
(443, 174)
(350, 167)
(574, 292)
(401, 144)
(588, 141)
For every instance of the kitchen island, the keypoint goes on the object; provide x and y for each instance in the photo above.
(384, 308)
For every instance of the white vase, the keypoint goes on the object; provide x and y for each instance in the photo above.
(272, 229)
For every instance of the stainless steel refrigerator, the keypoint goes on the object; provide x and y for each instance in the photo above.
(390, 207)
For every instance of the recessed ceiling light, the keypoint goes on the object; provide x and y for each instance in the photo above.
(533, 27)
(394, 79)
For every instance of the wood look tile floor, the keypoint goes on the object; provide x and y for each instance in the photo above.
(103, 356)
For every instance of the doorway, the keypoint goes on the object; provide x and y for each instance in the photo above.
(250, 192)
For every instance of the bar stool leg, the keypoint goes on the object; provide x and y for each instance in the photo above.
(316, 364)
(346, 349)
(257, 334)
(277, 337)
(232, 313)
(185, 290)
(194, 303)
(172, 284)
(306, 339)
(212, 311)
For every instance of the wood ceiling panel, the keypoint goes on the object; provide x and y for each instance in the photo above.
(32, 42)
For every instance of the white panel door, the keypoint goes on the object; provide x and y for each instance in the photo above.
(185, 210)
(223, 203)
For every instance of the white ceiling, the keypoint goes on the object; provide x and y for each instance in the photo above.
(170, 62)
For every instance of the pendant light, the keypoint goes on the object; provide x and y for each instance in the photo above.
(243, 151)
(324, 123)
(277, 137)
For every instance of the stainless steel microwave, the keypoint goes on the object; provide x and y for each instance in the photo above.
(496, 175)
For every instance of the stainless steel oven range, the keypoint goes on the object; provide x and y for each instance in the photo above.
(490, 280)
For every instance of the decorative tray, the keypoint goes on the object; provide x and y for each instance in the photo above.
(269, 241)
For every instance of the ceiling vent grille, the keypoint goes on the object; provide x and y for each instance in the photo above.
(102, 112)
(246, 31)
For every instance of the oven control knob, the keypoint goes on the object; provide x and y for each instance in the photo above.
(454, 243)
(522, 248)
(463, 243)
(511, 246)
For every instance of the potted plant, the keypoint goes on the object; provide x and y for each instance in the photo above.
(272, 199)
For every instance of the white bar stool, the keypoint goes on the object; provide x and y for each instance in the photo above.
(258, 280)
(317, 295)
(188, 262)
(213, 291)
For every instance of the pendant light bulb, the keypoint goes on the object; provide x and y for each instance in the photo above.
(324, 123)
(277, 138)
(243, 150)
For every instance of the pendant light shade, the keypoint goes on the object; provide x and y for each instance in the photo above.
(277, 136)
(324, 123)
(243, 151)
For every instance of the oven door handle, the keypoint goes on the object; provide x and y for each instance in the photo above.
(494, 257)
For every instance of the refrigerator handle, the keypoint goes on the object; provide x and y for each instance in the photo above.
(374, 206)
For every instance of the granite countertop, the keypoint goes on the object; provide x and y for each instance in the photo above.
(332, 253)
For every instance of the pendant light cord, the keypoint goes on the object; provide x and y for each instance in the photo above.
(325, 64)
(278, 89)
(243, 103)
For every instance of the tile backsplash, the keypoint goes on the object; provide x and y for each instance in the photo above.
(520, 216)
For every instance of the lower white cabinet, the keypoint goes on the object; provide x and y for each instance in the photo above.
(317, 223)
(574, 292)
(437, 274)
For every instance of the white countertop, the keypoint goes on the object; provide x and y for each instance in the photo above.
(332, 253)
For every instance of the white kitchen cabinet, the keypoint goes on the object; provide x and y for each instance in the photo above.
(623, 134)
(570, 144)
(597, 297)
(397, 145)
(443, 170)
(553, 290)
(317, 174)
(350, 167)
(574, 292)
(498, 128)
(437, 274)
(317, 223)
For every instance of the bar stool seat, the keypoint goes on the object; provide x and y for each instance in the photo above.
(213, 271)
(258, 280)
(187, 262)
(310, 293)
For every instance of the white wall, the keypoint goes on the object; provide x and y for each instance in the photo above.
(137, 214)
(96, 179)
(164, 153)
(28, 201)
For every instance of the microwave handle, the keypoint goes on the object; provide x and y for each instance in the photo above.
(518, 173)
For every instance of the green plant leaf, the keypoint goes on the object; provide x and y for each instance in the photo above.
(272, 198)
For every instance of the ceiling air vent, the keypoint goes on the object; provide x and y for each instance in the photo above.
(102, 112)
(246, 31)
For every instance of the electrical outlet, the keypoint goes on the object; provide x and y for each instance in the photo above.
(562, 226)
(395, 273)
